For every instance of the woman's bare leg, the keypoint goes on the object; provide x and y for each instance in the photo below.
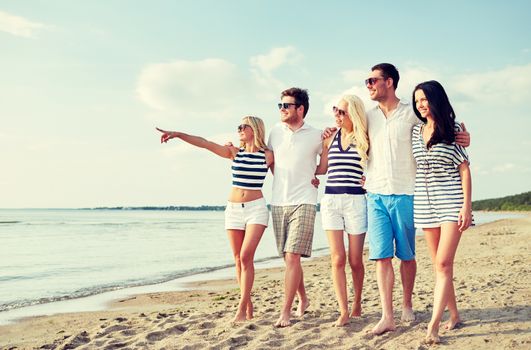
(444, 261)
(338, 261)
(355, 259)
(253, 234)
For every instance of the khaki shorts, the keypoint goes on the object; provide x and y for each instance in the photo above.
(293, 226)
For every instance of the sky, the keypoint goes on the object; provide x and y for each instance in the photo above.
(83, 84)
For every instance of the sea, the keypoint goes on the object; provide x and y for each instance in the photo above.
(66, 260)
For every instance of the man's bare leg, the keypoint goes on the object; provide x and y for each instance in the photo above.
(386, 279)
(408, 270)
(292, 281)
(304, 302)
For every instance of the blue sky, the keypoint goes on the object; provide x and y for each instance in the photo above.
(83, 85)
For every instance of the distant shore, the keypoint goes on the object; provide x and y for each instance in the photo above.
(492, 286)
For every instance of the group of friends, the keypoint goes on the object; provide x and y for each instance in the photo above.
(389, 169)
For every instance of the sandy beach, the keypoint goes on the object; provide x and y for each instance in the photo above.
(492, 281)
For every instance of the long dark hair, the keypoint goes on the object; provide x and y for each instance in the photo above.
(441, 110)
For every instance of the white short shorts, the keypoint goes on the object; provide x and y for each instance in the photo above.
(238, 215)
(346, 212)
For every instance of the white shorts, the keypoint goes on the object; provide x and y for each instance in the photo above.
(238, 215)
(346, 212)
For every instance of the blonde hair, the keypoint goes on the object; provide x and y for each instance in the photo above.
(358, 136)
(258, 127)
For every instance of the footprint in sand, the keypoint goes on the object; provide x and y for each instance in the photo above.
(207, 325)
(112, 329)
(159, 335)
(116, 345)
(80, 339)
(234, 342)
(272, 340)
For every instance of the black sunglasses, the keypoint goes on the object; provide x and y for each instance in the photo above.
(371, 81)
(242, 127)
(286, 105)
(339, 111)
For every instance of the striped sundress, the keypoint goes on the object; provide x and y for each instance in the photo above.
(438, 187)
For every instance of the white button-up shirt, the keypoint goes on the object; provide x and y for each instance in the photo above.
(295, 163)
(391, 167)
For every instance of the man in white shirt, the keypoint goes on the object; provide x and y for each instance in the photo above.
(296, 146)
(390, 184)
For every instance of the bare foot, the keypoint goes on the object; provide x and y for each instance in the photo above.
(432, 335)
(383, 326)
(240, 317)
(356, 310)
(342, 320)
(408, 315)
(301, 308)
(453, 324)
(283, 320)
(249, 313)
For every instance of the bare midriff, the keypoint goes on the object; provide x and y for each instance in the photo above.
(240, 195)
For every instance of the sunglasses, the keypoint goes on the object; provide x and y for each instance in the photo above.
(339, 111)
(286, 105)
(242, 127)
(372, 81)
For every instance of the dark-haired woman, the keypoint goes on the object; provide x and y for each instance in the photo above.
(443, 187)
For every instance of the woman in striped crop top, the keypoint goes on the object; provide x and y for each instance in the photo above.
(343, 207)
(443, 191)
(246, 214)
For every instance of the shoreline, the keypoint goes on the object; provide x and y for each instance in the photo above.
(491, 281)
(102, 300)
(97, 299)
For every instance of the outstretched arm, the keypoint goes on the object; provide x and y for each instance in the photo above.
(198, 141)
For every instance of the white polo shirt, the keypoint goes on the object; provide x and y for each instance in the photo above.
(295, 163)
(391, 167)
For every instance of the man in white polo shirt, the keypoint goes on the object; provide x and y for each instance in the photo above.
(390, 184)
(296, 146)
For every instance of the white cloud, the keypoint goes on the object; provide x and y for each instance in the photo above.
(212, 88)
(355, 76)
(191, 88)
(502, 168)
(511, 84)
(263, 68)
(19, 26)
(277, 57)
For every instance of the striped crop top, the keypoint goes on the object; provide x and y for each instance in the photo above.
(344, 169)
(249, 170)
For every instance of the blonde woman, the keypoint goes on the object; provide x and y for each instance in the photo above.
(246, 214)
(343, 207)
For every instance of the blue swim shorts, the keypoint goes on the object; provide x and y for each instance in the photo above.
(391, 227)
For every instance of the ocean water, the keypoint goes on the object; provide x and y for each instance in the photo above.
(49, 255)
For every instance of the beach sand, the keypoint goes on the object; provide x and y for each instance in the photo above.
(492, 281)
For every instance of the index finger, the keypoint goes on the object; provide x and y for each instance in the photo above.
(463, 126)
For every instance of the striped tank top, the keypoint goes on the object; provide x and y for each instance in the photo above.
(344, 169)
(249, 170)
